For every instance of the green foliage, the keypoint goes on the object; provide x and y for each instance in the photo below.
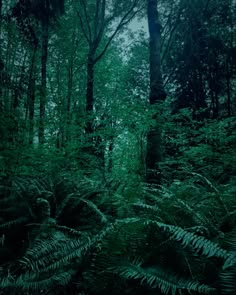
(76, 215)
(228, 276)
(91, 253)
(157, 278)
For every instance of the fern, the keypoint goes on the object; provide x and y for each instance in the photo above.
(228, 281)
(154, 209)
(198, 217)
(15, 222)
(200, 244)
(228, 276)
(96, 210)
(54, 253)
(66, 201)
(35, 282)
(157, 278)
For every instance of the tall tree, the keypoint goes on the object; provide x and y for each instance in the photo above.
(157, 93)
(96, 17)
(199, 60)
(31, 96)
(45, 11)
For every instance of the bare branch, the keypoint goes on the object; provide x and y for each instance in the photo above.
(83, 29)
(124, 21)
(100, 24)
(170, 39)
(87, 19)
(98, 2)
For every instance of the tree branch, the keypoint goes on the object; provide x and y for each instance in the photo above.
(124, 21)
(100, 24)
(87, 19)
(83, 29)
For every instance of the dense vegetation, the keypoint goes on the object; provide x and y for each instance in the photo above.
(117, 150)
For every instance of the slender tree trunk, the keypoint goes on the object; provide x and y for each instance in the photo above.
(156, 95)
(90, 93)
(1, 62)
(31, 110)
(44, 55)
(31, 98)
(228, 91)
(0, 16)
(215, 104)
(157, 92)
(1, 83)
(109, 157)
(68, 103)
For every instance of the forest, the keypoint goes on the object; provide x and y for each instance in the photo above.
(117, 147)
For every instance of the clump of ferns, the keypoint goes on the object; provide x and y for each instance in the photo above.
(54, 258)
(157, 255)
(84, 204)
(162, 205)
(55, 248)
(19, 208)
(21, 195)
(117, 252)
(228, 276)
(57, 252)
(20, 205)
(208, 210)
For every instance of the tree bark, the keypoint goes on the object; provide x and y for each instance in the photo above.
(90, 93)
(31, 98)
(156, 95)
(228, 89)
(68, 103)
(157, 92)
(31, 110)
(45, 26)
(0, 15)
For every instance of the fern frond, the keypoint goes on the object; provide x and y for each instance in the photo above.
(68, 230)
(228, 277)
(147, 207)
(228, 281)
(65, 202)
(15, 222)
(52, 254)
(198, 217)
(187, 239)
(199, 229)
(97, 210)
(158, 278)
(59, 228)
(35, 282)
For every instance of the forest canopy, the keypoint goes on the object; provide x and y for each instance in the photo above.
(117, 147)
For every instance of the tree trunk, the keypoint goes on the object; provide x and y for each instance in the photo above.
(157, 92)
(228, 91)
(31, 98)
(42, 103)
(1, 62)
(90, 93)
(68, 103)
(31, 110)
(156, 95)
(0, 16)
